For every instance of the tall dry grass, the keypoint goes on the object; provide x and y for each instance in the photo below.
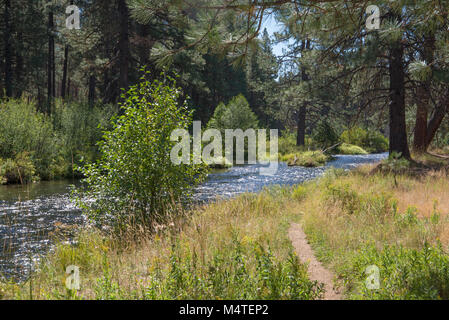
(357, 216)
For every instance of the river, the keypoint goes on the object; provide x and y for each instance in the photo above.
(29, 214)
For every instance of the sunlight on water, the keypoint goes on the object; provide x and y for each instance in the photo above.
(29, 215)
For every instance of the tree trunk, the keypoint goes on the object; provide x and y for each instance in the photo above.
(398, 129)
(436, 120)
(64, 72)
(92, 85)
(423, 94)
(65, 68)
(53, 68)
(419, 140)
(302, 113)
(301, 136)
(50, 62)
(144, 45)
(8, 55)
(19, 70)
(68, 88)
(123, 44)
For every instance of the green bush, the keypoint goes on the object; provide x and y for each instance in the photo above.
(344, 197)
(324, 135)
(79, 128)
(355, 136)
(371, 141)
(377, 142)
(24, 129)
(134, 176)
(237, 114)
(287, 143)
(53, 143)
(220, 163)
(241, 272)
(19, 170)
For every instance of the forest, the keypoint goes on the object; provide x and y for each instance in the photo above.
(92, 92)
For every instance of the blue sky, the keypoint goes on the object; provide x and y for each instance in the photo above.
(272, 26)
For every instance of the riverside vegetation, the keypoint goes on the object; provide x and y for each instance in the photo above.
(238, 249)
(325, 141)
(34, 146)
(143, 242)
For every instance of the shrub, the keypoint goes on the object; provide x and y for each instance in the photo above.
(355, 136)
(241, 272)
(19, 170)
(376, 142)
(343, 196)
(52, 143)
(135, 176)
(24, 129)
(371, 141)
(324, 135)
(79, 127)
(237, 114)
(287, 143)
(220, 163)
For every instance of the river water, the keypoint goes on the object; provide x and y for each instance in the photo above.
(29, 214)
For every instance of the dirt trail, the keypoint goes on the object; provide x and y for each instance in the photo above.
(316, 270)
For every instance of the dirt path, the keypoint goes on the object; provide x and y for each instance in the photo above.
(316, 270)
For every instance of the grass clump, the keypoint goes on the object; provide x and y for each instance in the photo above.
(350, 149)
(220, 163)
(308, 159)
(405, 273)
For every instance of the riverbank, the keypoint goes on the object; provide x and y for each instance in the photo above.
(44, 147)
(307, 159)
(234, 249)
(239, 248)
(32, 212)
